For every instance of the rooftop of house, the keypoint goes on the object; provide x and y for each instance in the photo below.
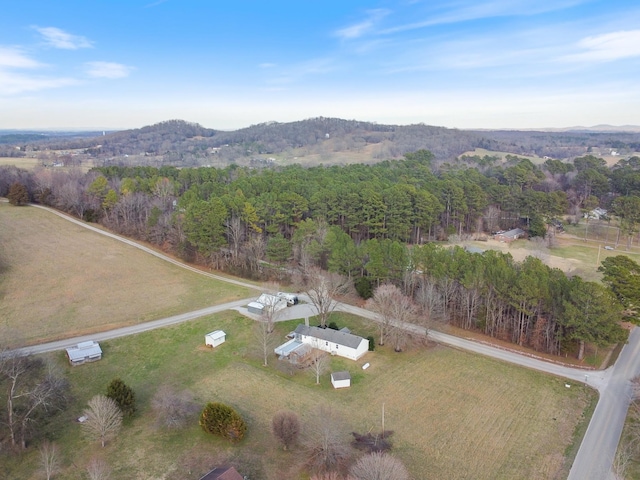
(330, 335)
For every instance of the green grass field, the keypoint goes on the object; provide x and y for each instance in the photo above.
(60, 280)
(455, 415)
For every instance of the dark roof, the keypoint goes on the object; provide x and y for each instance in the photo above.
(330, 335)
(341, 376)
(223, 473)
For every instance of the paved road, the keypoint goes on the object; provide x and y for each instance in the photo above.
(598, 448)
(133, 329)
(596, 453)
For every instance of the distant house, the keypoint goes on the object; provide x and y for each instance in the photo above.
(596, 213)
(509, 236)
(341, 379)
(336, 342)
(267, 300)
(215, 338)
(84, 352)
(223, 473)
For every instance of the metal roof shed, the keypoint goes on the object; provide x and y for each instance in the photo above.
(84, 352)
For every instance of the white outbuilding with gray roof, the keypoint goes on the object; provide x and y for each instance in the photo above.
(84, 352)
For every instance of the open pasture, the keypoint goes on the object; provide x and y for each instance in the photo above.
(455, 415)
(60, 280)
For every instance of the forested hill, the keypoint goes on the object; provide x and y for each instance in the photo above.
(321, 140)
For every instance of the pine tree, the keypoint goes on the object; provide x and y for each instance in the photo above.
(18, 194)
(123, 395)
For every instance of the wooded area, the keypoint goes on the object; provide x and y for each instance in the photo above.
(373, 224)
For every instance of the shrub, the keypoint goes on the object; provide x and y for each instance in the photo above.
(333, 326)
(222, 420)
(372, 343)
(364, 288)
(123, 395)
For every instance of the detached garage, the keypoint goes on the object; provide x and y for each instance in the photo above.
(341, 379)
(215, 338)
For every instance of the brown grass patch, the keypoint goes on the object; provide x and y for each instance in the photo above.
(59, 280)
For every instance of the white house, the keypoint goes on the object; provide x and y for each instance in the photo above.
(340, 379)
(336, 342)
(215, 338)
(84, 352)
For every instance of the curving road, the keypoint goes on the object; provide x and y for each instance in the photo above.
(598, 448)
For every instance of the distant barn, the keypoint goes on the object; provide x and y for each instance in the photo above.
(509, 236)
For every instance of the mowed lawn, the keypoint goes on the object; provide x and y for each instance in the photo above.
(60, 280)
(455, 415)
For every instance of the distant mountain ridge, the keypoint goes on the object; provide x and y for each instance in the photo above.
(178, 142)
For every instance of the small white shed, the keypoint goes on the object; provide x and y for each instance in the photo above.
(341, 379)
(215, 338)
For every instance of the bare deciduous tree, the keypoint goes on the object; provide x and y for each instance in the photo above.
(98, 469)
(327, 476)
(285, 426)
(50, 458)
(394, 309)
(379, 466)
(320, 363)
(32, 387)
(322, 287)
(429, 298)
(264, 338)
(326, 444)
(104, 419)
(173, 409)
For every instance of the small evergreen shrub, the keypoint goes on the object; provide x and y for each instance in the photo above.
(222, 420)
(123, 395)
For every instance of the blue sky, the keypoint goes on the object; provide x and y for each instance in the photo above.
(226, 65)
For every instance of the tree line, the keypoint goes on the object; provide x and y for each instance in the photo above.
(371, 224)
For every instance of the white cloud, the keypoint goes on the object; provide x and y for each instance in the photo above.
(12, 83)
(11, 57)
(359, 29)
(467, 10)
(608, 47)
(314, 67)
(107, 70)
(57, 38)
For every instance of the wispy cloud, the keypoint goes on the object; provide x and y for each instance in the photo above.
(365, 26)
(155, 4)
(267, 65)
(57, 38)
(468, 10)
(12, 57)
(607, 47)
(107, 70)
(292, 74)
(12, 83)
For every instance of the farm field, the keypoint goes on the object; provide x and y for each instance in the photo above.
(60, 280)
(455, 415)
